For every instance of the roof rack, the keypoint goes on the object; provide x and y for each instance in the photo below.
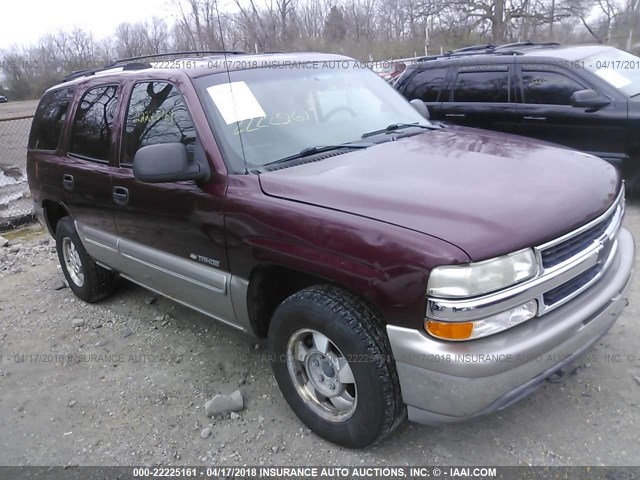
(473, 48)
(489, 49)
(171, 54)
(133, 63)
(527, 43)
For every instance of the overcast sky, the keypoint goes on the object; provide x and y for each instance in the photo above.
(25, 21)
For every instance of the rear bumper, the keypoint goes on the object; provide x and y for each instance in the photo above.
(447, 381)
(39, 211)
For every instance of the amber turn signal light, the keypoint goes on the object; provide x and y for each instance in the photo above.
(449, 330)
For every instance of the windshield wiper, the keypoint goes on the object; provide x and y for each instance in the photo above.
(399, 126)
(306, 152)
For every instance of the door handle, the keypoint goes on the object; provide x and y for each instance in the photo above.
(120, 196)
(535, 119)
(67, 182)
(455, 115)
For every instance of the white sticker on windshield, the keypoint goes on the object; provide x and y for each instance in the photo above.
(235, 101)
(614, 78)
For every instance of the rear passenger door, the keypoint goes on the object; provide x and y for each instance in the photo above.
(482, 96)
(547, 114)
(171, 234)
(85, 171)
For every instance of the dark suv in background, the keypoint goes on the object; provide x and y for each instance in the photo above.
(584, 97)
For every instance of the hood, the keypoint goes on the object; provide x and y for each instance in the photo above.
(488, 193)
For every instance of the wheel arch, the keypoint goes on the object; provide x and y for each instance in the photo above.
(53, 212)
(270, 284)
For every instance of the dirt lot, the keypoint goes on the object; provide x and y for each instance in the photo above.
(142, 368)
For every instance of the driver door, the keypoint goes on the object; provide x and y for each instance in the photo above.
(171, 234)
(547, 114)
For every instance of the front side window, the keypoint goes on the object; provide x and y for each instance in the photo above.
(551, 88)
(156, 114)
(482, 86)
(93, 124)
(266, 114)
(618, 68)
(427, 84)
(49, 119)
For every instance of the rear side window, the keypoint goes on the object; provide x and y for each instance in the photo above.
(482, 86)
(550, 88)
(49, 119)
(426, 84)
(93, 124)
(156, 114)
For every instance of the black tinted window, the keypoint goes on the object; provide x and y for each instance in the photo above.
(93, 124)
(49, 119)
(157, 114)
(426, 84)
(482, 86)
(548, 87)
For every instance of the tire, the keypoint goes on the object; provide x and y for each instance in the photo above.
(360, 409)
(88, 281)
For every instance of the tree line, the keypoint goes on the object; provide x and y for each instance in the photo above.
(364, 29)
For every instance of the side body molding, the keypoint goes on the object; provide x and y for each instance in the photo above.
(215, 293)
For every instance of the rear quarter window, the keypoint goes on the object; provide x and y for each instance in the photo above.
(49, 119)
(426, 84)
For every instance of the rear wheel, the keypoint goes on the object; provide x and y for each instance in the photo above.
(333, 364)
(88, 281)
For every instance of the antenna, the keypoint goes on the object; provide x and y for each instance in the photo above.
(226, 66)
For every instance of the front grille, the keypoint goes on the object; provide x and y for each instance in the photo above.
(557, 254)
(571, 287)
(593, 243)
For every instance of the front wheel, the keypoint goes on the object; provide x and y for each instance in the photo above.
(332, 362)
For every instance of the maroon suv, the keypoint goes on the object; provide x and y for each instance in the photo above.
(395, 265)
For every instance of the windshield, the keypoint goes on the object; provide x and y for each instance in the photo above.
(618, 68)
(266, 114)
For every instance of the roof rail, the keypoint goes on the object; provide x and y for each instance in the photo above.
(170, 54)
(454, 54)
(489, 49)
(85, 73)
(526, 43)
(473, 48)
(133, 63)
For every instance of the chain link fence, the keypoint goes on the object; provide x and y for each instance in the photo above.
(16, 207)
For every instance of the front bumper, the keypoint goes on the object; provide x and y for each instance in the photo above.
(453, 381)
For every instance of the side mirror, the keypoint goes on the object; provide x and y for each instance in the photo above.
(166, 162)
(421, 108)
(589, 99)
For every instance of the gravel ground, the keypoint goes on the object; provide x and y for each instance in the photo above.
(141, 369)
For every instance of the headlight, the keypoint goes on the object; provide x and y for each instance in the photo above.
(456, 281)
